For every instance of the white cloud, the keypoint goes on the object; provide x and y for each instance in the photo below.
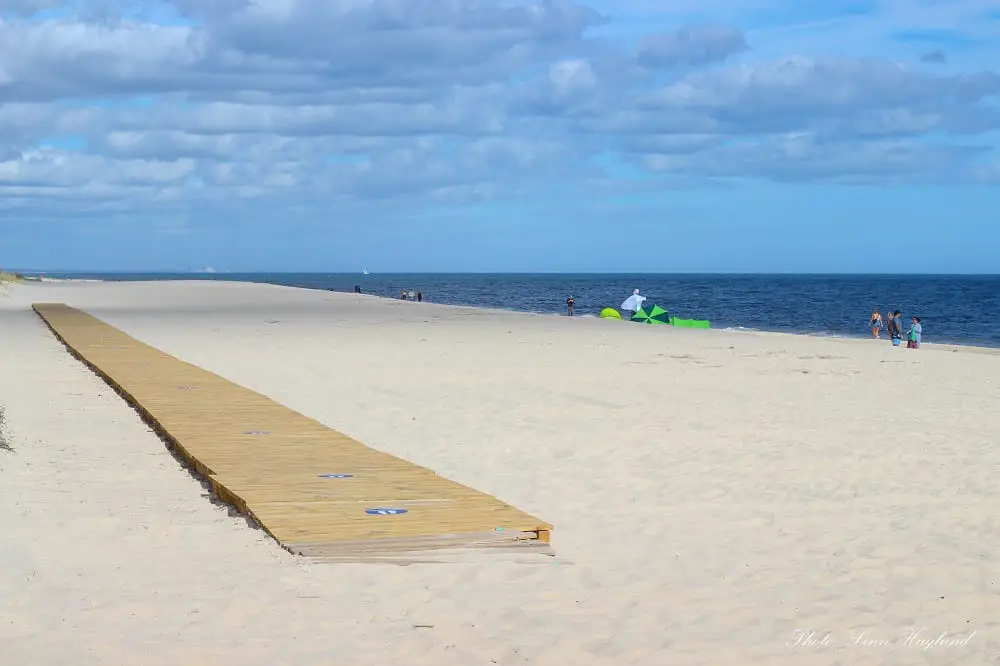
(282, 101)
(695, 45)
(572, 75)
(27, 7)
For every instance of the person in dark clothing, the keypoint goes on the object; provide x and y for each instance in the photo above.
(895, 326)
(569, 306)
(420, 296)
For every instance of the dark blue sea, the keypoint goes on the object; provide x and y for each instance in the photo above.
(953, 309)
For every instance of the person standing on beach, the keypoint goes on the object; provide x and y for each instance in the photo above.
(420, 297)
(897, 327)
(402, 295)
(875, 323)
(413, 296)
(570, 302)
(632, 304)
(914, 334)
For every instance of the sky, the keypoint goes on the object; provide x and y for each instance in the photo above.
(496, 136)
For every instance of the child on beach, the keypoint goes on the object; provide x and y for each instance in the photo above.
(875, 323)
(914, 334)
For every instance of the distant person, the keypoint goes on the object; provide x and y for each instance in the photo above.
(357, 289)
(402, 295)
(570, 302)
(420, 297)
(875, 323)
(413, 296)
(632, 304)
(914, 334)
(896, 331)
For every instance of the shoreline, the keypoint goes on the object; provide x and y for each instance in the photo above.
(937, 345)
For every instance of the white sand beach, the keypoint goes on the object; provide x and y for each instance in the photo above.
(716, 496)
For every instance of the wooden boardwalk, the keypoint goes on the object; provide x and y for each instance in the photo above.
(316, 491)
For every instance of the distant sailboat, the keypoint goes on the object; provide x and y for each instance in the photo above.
(364, 272)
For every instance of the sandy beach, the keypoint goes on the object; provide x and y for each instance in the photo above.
(718, 497)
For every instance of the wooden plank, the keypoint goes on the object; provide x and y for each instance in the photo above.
(270, 462)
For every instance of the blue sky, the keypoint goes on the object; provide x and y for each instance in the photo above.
(480, 135)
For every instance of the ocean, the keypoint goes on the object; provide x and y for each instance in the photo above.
(958, 309)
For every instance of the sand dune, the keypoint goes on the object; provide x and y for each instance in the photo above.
(716, 496)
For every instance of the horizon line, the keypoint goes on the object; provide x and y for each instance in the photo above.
(203, 273)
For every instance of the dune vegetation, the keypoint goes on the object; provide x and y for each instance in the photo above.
(7, 278)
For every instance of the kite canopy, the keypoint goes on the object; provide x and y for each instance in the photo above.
(652, 314)
(610, 313)
(690, 323)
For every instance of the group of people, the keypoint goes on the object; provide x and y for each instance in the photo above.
(404, 295)
(894, 325)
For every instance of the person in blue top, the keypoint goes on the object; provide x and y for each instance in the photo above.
(914, 334)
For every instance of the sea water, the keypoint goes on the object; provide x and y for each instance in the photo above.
(953, 308)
